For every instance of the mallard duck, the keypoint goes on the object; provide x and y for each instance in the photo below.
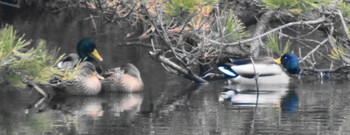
(267, 69)
(86, 50)
(69, 61)
(126, 78)
(87, 82)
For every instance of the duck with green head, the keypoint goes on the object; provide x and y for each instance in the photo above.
(126, 78)
(86, 49)
(86, 82)
(268, 70)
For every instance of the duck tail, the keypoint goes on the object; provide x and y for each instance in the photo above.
(227, 71)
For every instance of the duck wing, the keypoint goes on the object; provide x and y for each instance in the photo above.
(261, 67)
(70, 61)
(250, 70)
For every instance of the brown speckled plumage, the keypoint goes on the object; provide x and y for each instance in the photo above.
(86, 82)
(122, 79)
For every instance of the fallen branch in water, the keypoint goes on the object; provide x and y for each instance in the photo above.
(38, 89)
(183, 71)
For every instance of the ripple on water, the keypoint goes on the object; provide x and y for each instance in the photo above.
(167, 105)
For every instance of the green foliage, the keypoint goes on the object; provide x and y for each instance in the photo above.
(22, 65)
(274, 46)
(275, 4)
(201, 20)
(36, 65)
(227, 26)
(296, 6)
(344, 8)
(337, 53)
(234, 28)
(9, 45)
(183, 8)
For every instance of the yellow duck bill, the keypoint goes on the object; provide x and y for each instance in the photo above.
(96, 55)
(278, 61)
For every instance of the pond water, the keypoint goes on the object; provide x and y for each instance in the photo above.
(169, 104)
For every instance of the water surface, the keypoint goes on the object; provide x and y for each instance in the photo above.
(169, 104)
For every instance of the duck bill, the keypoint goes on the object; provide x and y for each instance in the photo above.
(98, 76)
(278, 60)
(96, 55)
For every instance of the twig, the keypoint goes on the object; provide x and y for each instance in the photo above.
(256, 82)
(255, 74)
(260, 28)
(166, 36)
(38, 89)
(188, 73)
(39, 102)
(312, 51)
(11, 5)
(93, 21)
(319, 20)
(299, 37)
(128, 14)
(189, 19)
(319, 52)
(344, 24)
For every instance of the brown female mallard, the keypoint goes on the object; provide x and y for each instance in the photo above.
(126, 78)
(87, 82)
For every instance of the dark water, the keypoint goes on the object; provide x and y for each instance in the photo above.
(169, 104)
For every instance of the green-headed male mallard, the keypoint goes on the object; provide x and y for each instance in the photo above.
(268, 70)
(86, 50)
(126, 78)
(87, 82)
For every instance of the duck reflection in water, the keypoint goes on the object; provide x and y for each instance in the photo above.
(124, 103)
(97, 106)
(290, 103)
(281, 96)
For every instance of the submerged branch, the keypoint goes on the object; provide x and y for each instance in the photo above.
(38, 89)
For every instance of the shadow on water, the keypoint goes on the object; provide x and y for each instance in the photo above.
(169, 104)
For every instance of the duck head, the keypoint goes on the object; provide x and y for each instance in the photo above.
(87, 50)
(290, 62)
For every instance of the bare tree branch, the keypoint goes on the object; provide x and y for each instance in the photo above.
(186, 72)
(317, 21)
